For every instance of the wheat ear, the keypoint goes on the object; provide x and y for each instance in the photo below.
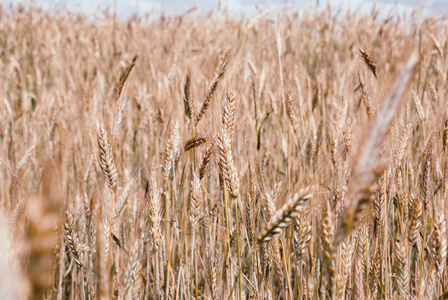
(211, 91)
(226, 165)
(122, 79)
(205, 160)
(369, 61)
(195, 142)
(285, 215)
(228, 116)
(187, 103)
(106, 157)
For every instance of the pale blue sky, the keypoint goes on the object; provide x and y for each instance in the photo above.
(248, 7)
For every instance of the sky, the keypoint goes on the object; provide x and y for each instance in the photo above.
(127, 8)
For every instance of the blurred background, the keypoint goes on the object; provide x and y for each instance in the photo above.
(126, 8)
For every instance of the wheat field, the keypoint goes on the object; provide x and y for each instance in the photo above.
(285, 155)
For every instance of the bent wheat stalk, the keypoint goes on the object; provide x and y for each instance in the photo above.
(211, 91)
(285, 215)
(122, 79)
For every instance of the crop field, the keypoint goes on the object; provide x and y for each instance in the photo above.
(285, 155)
